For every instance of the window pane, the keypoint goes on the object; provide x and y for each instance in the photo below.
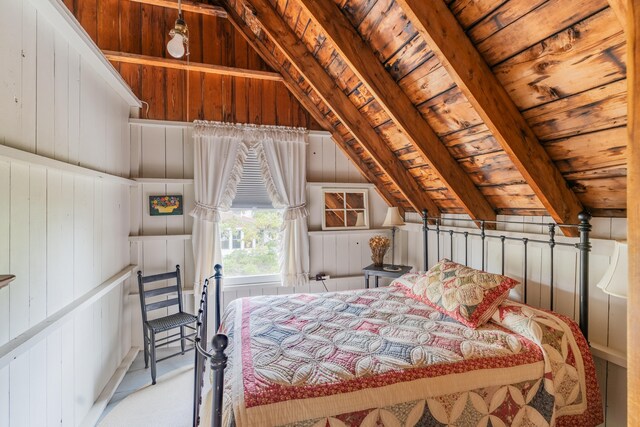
(224, 238)
(334, 200)
(259, 230)
(334, 218)
(352, 217)
(355, 201)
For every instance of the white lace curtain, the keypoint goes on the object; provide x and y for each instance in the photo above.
(220, 150)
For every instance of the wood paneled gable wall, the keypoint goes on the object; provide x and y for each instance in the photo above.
(139, 30)
(524, 114)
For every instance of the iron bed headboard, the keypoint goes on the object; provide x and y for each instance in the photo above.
(218, 359)
(583, 246)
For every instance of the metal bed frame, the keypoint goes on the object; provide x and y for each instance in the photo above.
(218, 359)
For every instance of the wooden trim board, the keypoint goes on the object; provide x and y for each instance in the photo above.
(163, 180)
(188, 6)
(610, 355)
(15, 155)
(33, 335)
(160, 237)
(176, 64)
(633, 210)
(92, 417)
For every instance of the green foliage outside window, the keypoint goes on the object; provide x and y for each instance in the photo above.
(261, 227)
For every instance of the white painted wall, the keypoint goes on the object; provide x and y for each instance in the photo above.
(61, 234)
(607, 314)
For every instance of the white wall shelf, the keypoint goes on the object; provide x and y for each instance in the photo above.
(15, 155)
(609, 354)
(341, 184)
(160, 237)
(348, 232)
(163, 181)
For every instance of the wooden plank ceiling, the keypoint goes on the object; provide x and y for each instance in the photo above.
(415, 124)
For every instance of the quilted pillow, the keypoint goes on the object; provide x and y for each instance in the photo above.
(469, 296)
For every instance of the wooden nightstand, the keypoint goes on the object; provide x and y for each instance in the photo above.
(372, 270)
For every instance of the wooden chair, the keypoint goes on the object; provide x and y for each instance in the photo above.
(179, 319)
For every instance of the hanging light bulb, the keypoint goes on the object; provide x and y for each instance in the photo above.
(179, 36)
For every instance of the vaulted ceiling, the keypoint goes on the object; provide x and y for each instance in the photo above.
(460, 106)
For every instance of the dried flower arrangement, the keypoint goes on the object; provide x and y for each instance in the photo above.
(379, 246)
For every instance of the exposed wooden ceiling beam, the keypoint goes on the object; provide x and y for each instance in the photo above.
(188, 6)
(298, 55)
(620, 9)
(388, 93)
(633, 212)
(176, 64)
(306, 102)
(467, 68)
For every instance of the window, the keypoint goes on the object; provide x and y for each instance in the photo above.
(255, 242)
(252, 231)
(345, 208)
(224, 238)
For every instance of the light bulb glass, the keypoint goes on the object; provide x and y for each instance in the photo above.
(175, 47)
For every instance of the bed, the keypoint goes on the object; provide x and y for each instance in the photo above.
(383, 357)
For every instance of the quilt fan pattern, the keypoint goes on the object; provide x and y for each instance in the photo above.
(377, 357)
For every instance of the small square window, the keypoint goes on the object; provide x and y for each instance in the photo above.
(345, 208)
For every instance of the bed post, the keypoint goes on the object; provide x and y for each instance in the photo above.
(218, 363)
(218, 283)
(201, 337)
(425, 237)
(584, 247)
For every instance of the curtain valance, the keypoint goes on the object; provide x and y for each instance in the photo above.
(249, 133)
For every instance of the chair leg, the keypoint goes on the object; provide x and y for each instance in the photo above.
(145, 337)
(182, 338)
(153, 357)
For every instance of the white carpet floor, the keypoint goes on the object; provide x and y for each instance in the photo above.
(166, 404)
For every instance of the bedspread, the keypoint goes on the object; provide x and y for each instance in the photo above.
(378, 357)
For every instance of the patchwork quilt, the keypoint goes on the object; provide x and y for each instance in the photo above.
(378, 357)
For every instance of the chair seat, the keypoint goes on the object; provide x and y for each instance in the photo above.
(171, 321)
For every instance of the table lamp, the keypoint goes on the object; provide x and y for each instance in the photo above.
(393, 220)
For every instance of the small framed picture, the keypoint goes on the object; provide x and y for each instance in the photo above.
(165, 205)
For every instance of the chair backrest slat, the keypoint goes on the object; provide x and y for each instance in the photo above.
(144, 294)
(160, 291)
(158, 277)
(162, 304)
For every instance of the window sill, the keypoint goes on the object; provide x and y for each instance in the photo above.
(240, 286)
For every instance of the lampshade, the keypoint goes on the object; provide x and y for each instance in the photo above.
(615, 279)
(393, 218)
(360, 220)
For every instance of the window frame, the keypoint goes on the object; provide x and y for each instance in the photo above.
(345, 190)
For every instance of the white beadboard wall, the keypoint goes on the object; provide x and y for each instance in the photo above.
(162, 161)
(61, 234)
(607, 314)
